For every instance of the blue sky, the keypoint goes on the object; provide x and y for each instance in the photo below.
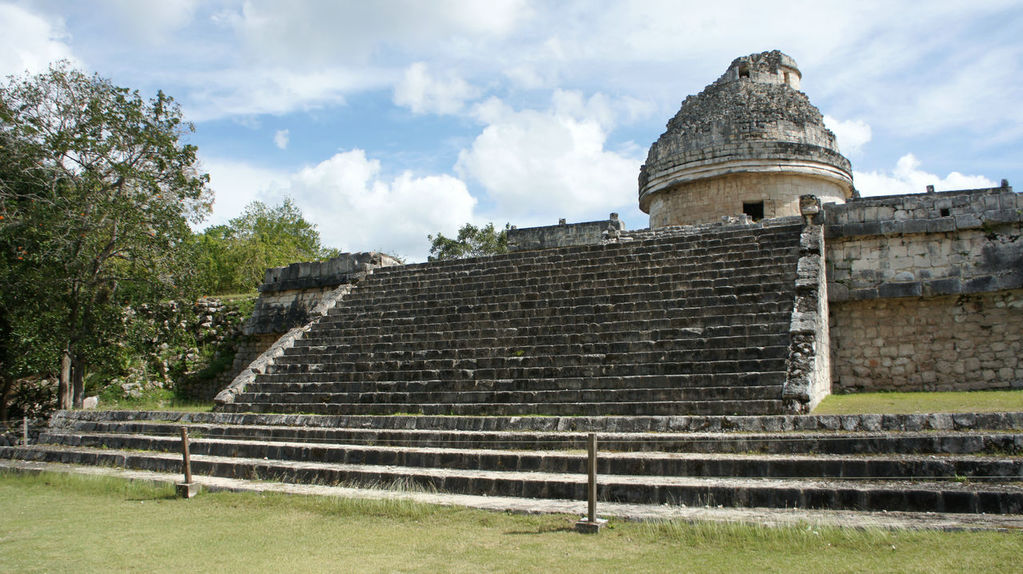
(392, 119)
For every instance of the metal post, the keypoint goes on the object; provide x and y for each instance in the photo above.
(591, 524)
(186, 489)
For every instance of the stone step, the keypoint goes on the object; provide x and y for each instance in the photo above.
(566, 305)
(934, 496)
(640, 408)
(638, 463)
(626, 278)
(522, 314)
(651, 259)
(665, 287)
(624, 328)
(728, 425)
(279, 383)
(628, 342)
(722, 393)
(405, 361)
(485, 376)
(991, 443)
(506, 341)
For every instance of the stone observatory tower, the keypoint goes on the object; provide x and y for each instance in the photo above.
(750, 143)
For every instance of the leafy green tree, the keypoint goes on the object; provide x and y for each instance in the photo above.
(471, 241)
(234, 257)
(96, 197)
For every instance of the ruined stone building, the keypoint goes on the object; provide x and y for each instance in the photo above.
(696, 348)
(911, 292)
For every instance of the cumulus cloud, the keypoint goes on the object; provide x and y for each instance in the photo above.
(852, 135)
(355, 206)
(541, 165)
(424, 92)
(907, 177)
(281, 139)
(29, 42)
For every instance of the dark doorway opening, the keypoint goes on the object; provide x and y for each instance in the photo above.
(754, 209)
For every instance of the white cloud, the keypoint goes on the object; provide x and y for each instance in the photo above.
(852, 135)
(423, 92)
(241, 92)
(542, 165)
(153, 21)
(29, 42)
(281, 139)
(310, 33)
(907, 177)
(355, 207)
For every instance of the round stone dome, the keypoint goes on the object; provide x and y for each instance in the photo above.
(751, 142)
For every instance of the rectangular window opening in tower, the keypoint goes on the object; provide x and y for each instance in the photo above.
(754, 209)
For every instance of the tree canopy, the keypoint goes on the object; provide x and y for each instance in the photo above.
(96, 193)
(471, 241)
(233, 258)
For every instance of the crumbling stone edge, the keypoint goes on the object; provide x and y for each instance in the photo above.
(808, 378)
(608, 424)
(287, 341)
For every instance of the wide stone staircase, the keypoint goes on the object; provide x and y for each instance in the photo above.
(485, 377)
(695, 323)
(965, 463)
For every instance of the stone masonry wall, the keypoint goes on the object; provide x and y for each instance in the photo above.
(706, 200)
(289, 293)
(922, 245)
(291, 297)
(945, 343)
(563, 234)
(925, 291)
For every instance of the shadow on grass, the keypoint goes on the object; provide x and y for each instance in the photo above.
(540, 530)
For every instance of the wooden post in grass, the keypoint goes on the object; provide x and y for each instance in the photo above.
(24, 430)
(186, 489)
(590, 524)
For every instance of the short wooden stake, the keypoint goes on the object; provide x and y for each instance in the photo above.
(24, 431)
(186, 489)
(590, 524)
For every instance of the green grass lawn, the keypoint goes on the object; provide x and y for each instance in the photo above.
(62, 523)
(901, 403)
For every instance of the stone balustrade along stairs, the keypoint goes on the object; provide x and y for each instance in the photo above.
(916, 463)
(689, 323)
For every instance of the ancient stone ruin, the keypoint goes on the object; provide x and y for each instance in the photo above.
(697, 348)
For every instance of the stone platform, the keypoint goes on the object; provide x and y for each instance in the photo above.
(954, 464)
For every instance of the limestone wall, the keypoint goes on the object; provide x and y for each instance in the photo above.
(809, 372)
(924, 245)
(925, 291)
(563, 234)
(944, 343)
(290, 298)
(288, 294)
(706, 200)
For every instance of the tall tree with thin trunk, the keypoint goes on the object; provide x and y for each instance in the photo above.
(98, 192)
